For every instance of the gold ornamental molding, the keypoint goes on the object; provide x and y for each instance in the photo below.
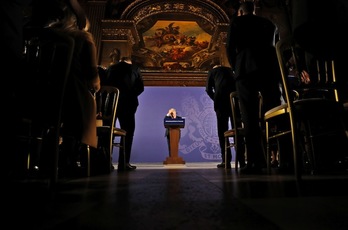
(205, 9)
(120, 30)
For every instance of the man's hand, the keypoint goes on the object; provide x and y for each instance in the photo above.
(305, 77)
(172, 113)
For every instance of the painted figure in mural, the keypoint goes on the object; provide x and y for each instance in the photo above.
(114, 56)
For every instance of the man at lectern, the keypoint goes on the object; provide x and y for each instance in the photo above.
(170, 115)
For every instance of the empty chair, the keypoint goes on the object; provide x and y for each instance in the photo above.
(107, 100)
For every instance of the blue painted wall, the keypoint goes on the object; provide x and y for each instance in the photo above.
(199, 141)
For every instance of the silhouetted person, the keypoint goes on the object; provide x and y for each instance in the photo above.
(128, 79)
(171, 115)
(219, 85)
(115, 56)
(102, 74)
(79, 109)
(252, 55)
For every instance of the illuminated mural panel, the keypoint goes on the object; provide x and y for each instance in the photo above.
(175, 45)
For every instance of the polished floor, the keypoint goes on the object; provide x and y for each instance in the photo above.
(192, 196)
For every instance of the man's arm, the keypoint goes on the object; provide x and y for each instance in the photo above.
(139, 83)
(209, 88)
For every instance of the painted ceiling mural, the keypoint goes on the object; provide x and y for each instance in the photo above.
(175, 45)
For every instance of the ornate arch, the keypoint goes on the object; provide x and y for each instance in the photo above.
(207, 10)
(174, 42)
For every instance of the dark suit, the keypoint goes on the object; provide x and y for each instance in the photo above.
(128, 79)
(220, 83)
(252, 55)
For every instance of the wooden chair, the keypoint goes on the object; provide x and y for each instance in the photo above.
(311, 115)
(107, 100)
(237, 130)
(48, 55)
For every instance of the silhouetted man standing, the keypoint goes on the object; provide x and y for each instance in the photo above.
(220, 83)
(128, 79)
(252, 56)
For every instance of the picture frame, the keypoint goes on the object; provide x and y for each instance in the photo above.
(107, 49)
(175, 46)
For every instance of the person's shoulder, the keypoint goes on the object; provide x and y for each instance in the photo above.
(228, 71)
(112, 66)
(214, 70)
(224, 68)
(237, 20)
(82, 35)
(244, 20)
(265, 20)
(136, 68)
(123, 64)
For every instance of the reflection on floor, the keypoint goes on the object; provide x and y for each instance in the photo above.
(192, 196)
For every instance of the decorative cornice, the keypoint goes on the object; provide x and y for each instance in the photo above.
(208, 10)
(120, 30)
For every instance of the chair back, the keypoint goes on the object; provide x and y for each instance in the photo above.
(106, 100)
(315, 111)
(237, 131)
(236, 116)
(308, 75)
(47, 60)
(48, 56)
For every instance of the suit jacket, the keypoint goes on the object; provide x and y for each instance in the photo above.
(220, 83)
(128, 79)
(250, 45)
(79, 113)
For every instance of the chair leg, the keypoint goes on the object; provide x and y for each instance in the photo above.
(226, 146)
(297, 160)
(268, 150)
(88, 161)
(124, 152)
(237, 158)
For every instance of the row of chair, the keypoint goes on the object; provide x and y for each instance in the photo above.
(48, 51)
(48, 55)
(47, 59)
(311, 119)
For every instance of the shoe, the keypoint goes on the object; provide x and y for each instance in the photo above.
(242, 164)
(128, 167)
(222, 165)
